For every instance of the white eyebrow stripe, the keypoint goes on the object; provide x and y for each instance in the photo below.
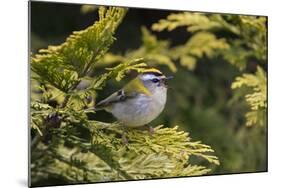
(148, 77)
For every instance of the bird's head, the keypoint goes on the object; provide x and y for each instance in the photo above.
(153, 78)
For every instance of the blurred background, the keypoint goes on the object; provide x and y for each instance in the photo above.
(200, 101)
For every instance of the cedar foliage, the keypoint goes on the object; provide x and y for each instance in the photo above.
(67, 147)
(247, 44)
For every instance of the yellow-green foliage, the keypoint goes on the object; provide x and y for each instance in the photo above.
(200, 44)
(158, 52)
(154, 51)
(255, 96)
(249, 34)
(248, 43)
(194, 22)
(62, 66)
(104, 157)
(70, 147)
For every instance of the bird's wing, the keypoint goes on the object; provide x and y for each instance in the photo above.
(116, 97)
(131, 90)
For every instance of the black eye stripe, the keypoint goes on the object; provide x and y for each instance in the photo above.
(155, 80)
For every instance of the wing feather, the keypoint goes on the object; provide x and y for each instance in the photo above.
(131, 90)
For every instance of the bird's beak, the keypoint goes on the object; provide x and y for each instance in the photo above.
(165, 80)
(169, 77)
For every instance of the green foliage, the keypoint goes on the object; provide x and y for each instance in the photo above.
(245, 39)
(255, 96)
(194, 21)
(104, 157)
(68, 147)
(158, 52)
(155, 52)
(247, 43)
(63, 66)
(248, 33)
(199, 45)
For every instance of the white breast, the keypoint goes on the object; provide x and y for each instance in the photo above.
(140, 110)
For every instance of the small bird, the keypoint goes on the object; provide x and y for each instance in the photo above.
(140, 101)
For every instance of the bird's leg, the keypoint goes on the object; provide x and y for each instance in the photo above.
(124, 138)
(151, 130)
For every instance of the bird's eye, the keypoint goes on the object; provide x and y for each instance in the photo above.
(155, 80)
